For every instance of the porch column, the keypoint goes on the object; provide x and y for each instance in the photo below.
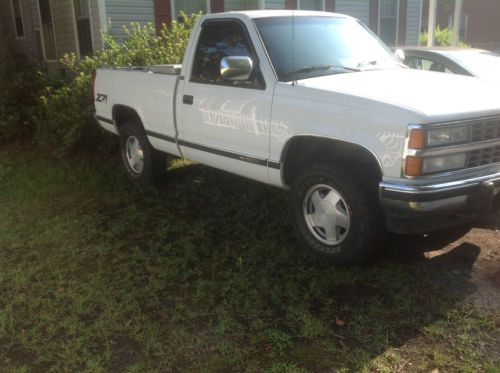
(457, 19)
(432, 22)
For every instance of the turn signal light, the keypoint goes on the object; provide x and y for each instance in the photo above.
(417, 138)
(413, 166)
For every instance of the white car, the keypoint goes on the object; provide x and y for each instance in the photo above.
(479, 63)
(314, 103)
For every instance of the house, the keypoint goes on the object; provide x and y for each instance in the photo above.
(47, 29)
(479, 25)
(44, 30)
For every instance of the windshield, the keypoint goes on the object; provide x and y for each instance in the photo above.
(482, 64)
(322, 46)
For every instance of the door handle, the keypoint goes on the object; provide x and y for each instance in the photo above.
(187, 99)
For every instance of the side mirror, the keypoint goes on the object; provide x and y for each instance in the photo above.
(236, 68)
(400, 55)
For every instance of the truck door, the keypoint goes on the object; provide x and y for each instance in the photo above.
(225, 124)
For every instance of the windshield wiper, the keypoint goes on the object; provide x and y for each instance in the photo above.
(365, 63)
(312, 68)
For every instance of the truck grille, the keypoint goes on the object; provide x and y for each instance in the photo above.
(485, 130)
(484, 156)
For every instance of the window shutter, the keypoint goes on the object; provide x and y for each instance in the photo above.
(403, 9)
(216, 6)
(374, 10)
(291, 4)
(162, 13)
(329, 5)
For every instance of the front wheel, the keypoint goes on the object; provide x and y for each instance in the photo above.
(144, 164)
(336, 215)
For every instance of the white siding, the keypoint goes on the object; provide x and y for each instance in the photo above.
(96, 24)
(359, 9)
(123, 12)
(28, 44)
(311, 4)
(240, 5)
(63, 19)
(413, 22)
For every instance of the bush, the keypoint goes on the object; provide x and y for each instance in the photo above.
(442, 37)
(64, 117)
(21, 85)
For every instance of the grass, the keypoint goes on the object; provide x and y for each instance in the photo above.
(202, 274)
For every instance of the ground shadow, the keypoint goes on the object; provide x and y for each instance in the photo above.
(400, 277)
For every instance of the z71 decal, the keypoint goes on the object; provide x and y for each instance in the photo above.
(101, 98)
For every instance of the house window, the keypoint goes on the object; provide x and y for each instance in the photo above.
(311, 4)
(83, 27)
(18, 18)
(274, 4)
(388, 22)
(189, 7)
(48, 34)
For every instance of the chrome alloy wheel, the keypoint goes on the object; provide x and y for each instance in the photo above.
(135, 156)
(326, 214)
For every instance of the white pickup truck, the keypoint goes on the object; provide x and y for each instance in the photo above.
(315, 103)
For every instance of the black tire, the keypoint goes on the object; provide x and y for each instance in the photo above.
(365, 231)
(154, 162)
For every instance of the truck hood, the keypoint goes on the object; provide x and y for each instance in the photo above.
(437, 96)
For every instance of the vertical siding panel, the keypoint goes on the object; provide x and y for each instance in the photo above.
(63, 21)
(413, 22)
(95, 18)
(374, 15)
(359, 9)
(403, 14)
(123, 12)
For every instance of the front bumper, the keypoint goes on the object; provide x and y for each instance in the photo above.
(427, 207)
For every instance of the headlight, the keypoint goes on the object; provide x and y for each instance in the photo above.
(447, 136)
(425, 154)
(444, 163)
(420, 166)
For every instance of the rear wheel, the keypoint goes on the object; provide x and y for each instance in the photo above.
(336, 215)
(144, 164)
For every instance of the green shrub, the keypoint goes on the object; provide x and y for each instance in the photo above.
(21, 84)
(64, 116)
(442, 37)
(64, 119)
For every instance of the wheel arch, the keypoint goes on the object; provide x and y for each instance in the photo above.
(301, 150)
(123, 114)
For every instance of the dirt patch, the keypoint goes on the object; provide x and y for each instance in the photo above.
(471, 254)
(472, 251)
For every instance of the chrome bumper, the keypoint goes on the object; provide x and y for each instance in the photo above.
(423, 208)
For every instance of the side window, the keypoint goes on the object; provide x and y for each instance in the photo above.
(413, 62)
(428, 65)
(218, 40)
(431, 65)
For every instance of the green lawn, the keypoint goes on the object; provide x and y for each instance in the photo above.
(202, 273)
